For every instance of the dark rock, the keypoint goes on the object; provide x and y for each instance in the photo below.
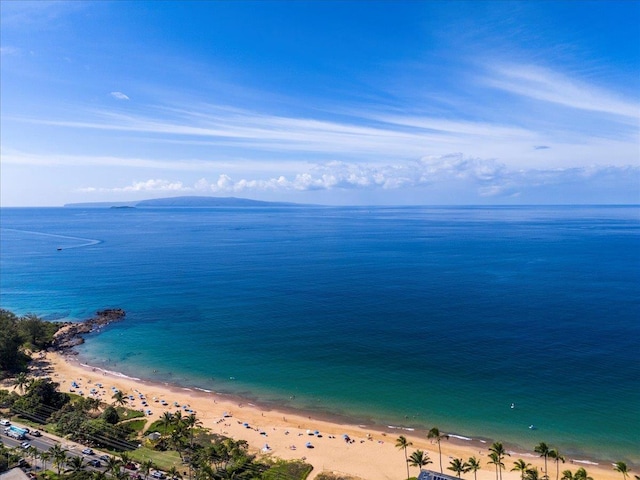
(71, 335)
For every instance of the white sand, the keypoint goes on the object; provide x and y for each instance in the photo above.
(372, 455)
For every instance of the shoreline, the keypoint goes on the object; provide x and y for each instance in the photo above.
(372, 455)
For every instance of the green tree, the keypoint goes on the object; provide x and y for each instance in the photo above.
(557, 457)
(112, 465)
(166, 419)
(45, 457)
(622, 468)
(532, 474)
(21, 381)
(402, 443)
(520, 466)
(119, 398)
(434, 434)
(567, 475)
(145, 468)
(473, 465)
(98, 475)
(494, 459)
(543, 450)
(419, 459)
(110, 415)
(75, 464)
(498, 449)
(581, 474)
(59, 457)
(11, 358)
(458, 466)
(33, 330)
(191, 422)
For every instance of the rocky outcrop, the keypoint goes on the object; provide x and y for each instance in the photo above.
(71, 334)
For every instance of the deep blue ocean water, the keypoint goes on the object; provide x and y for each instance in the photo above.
(410, 316)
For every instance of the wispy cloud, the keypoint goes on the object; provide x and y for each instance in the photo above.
(554, 87)
(119, 96)
(8, 50)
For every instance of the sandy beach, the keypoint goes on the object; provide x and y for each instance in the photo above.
(370, 455)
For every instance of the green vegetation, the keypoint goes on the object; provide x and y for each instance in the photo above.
(435, 434)
(403, 444)
(18, 336)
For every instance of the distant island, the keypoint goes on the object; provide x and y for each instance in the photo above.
(185, 202)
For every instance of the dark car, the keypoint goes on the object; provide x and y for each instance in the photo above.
(95, 463)
(36, 433)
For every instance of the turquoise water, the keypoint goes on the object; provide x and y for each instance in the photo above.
(409, 317)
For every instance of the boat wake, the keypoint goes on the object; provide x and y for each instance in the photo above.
(87, 241)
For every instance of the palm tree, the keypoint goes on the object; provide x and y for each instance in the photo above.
(457, 466)
(497, 461)
(543, 450)
(521, 466)
(191, 422)
(532, 474)
(98, 475)
(75, 464)
(403, 444)
(567, 475)
(581, 474)
(177, 417)
(59, 456)
(125, 457)
(145, 468)
(112, 465)
(21, 381)
(33, 453)
(622, 468)
(419, 459)
(174, 472)
(166, 419)
(500, 453)
(119, 398)
(45, 457)
(557, 457)
(435, 434)
(473, 465)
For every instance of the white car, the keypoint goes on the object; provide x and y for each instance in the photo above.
(5, 423)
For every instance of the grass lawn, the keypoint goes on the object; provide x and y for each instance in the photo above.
(162, 460)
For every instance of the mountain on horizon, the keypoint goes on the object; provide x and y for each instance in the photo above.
(185, 202)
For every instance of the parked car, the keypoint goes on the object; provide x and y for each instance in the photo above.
(104, 458)
(36, 433)
(87, 451)
(5, 423)
(158, 474)
(131, 466)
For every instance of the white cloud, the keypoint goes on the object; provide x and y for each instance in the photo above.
(488, 177)
(7, 50)
(119, 96)
(554, 87)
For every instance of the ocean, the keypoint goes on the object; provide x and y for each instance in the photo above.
(411, 317)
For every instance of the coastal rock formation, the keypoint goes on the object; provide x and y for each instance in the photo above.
(71, 334)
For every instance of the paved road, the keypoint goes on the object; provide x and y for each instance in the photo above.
(46, 441)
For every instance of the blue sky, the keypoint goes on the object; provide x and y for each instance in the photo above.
(364, 102)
